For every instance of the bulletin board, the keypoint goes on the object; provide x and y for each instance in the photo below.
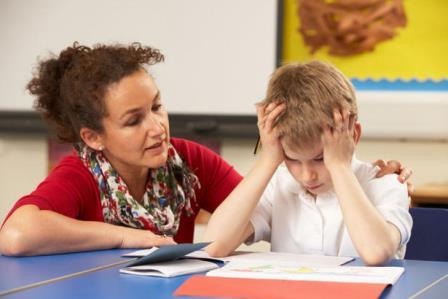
(402, 82)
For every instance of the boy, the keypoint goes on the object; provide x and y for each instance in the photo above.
(325, 201)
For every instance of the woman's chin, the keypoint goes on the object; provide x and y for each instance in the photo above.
(156, 162)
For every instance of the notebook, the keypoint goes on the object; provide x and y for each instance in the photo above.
(182, 259)
(171, 268)
(223, 287)
(169, 261)
(277, 257)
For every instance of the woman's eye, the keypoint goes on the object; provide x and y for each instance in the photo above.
(319, 159)
(133, 121)
(156, 107)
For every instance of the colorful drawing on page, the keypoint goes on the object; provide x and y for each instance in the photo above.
(297, 272)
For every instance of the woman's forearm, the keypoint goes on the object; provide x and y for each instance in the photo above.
(30, 231)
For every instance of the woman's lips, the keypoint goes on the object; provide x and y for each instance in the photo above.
(154, 146)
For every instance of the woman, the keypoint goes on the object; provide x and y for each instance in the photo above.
(128, 184)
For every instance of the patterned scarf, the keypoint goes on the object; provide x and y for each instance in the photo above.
(169, 190)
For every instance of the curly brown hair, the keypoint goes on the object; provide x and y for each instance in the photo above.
(70, 88)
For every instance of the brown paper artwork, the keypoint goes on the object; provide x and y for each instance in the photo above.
(349, 27)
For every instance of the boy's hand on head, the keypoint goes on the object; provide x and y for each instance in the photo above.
(338, 143)
(394, 166)
(269, 137)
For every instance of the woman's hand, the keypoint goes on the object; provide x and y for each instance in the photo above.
(394, 166)
(269, 137)
(138, 238)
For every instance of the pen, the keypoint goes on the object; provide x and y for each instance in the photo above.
(257, 145)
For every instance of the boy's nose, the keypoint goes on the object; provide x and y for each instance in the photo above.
(308, 175)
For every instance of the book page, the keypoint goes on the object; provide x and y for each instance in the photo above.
(295, 271)
(302, 259)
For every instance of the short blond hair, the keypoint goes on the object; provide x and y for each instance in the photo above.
(311, 91)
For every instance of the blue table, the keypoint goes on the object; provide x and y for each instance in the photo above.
(16, 272)
(417, 276)
(109, 283)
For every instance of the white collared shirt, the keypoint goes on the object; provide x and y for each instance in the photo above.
(293, 221)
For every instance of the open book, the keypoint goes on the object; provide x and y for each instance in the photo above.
(293, 271)
(181, 259)
(244, 256)
(168, 261)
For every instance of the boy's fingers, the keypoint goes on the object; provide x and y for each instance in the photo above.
(345, 119)
(274, 114)
(338, 124)
(326, 133)
(278, 110)
(259, 109)
(270, 107)
(351, 122)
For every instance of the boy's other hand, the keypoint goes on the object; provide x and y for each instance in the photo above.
(394, 166)
(338, 143)
(269, 136)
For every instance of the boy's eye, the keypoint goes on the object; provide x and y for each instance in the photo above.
(319, 159)
(290, 159)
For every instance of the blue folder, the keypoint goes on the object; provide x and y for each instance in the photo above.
(168, 253)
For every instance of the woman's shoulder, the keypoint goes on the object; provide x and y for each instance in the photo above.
(70, 167)
(181, 144)
(203, 161)
(193, 151)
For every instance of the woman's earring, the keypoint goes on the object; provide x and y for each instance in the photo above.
(101, 148)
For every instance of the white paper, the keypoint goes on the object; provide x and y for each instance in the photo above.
(275, 257)
(295, 271)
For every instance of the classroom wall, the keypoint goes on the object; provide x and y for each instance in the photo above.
(205, 43)
(23, 161)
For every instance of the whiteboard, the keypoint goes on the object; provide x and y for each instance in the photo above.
(219, 54)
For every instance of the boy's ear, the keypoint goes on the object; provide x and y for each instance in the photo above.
(356, 132)
(91, 138)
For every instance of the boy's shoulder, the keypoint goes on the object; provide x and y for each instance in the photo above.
(366, 172)
(377, 188)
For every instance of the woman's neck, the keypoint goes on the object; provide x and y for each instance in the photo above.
(137, 189)
(135, 181)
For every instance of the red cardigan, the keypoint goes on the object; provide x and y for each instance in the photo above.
(71, 190)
